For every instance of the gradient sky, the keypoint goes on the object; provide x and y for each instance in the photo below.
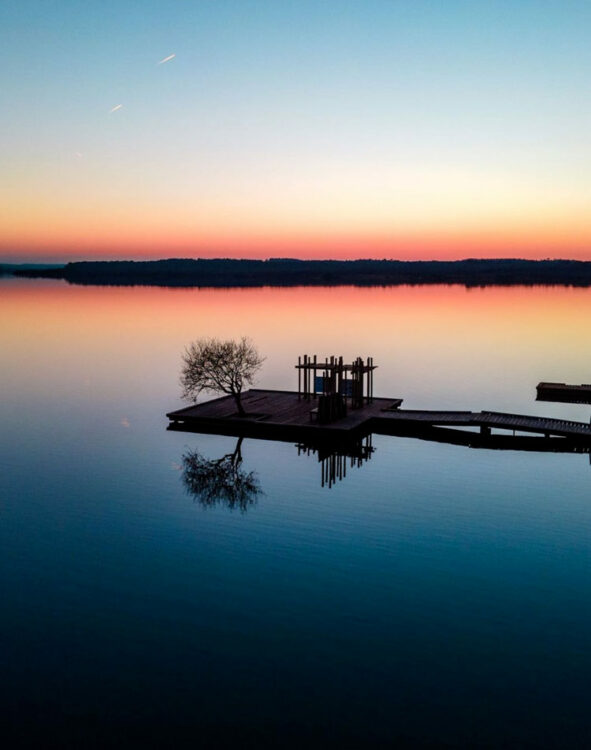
(382, 128)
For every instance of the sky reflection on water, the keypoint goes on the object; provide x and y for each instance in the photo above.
(439, 594)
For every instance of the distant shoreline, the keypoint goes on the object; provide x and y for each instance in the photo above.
(226, 272)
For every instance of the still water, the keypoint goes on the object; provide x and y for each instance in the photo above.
(437, 595)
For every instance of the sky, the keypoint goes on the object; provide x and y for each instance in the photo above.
(328, 129)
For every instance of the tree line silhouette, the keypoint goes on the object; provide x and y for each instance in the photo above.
(228, 272)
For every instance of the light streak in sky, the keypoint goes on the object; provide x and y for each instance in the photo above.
(165, 59)
(115, 108)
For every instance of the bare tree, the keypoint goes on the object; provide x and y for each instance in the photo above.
(210, 364)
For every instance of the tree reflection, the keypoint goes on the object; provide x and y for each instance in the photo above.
(220, 481)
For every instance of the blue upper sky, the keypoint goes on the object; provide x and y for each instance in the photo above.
(279, 120)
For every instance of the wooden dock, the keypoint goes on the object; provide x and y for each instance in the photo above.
(504, 441)
(564, 393)
(485, 421)
(280, 414)
(285, 415)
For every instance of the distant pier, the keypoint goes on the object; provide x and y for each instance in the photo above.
(562, 392)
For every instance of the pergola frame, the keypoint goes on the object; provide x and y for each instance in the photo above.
(353, 381)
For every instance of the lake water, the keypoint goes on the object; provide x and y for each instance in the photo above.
(437, 595)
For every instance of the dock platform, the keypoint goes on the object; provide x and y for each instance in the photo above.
(289, 416)
(279, 414)
(564, 393)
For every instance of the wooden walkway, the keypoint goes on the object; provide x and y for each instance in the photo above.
(282, 415)
(487, 420)
(502, 440)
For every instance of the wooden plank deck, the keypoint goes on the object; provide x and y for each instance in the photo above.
(277, 414)
(490, 419)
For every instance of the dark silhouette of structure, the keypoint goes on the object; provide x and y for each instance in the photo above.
(338, 428)
(561, 392)
(338, 386)
(285, 415)
(335, 458)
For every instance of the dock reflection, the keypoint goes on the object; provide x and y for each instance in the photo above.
(334, 459)
(223, 481)
(488, 441)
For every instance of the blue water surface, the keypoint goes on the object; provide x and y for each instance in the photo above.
(436, 596)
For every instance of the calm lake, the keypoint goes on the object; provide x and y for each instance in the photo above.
(437, 595)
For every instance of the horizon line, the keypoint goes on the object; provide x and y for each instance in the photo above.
(53, 262)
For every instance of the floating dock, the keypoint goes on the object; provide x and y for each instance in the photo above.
(564, 393)
(277, 414)
(287, 415)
